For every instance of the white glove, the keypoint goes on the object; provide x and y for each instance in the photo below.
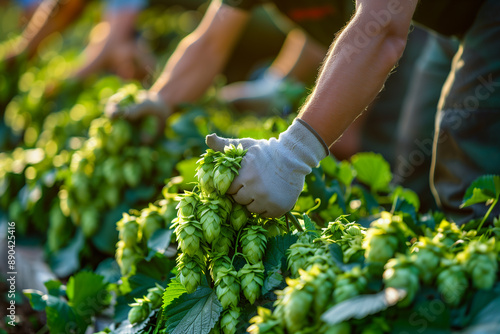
(273, 171)
(148, 103)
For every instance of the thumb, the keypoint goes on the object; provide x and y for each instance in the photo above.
(217, 143)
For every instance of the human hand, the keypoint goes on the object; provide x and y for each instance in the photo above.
(273, 171)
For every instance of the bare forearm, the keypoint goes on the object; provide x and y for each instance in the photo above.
(355, 69)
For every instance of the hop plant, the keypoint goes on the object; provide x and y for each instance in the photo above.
(352, 241)
(251, 278)
(452, 282)
(349, 284)
(401, 273)
(480, 261)
(447, 234)
(427, 257)
(299, 255)
(265, 322)
(190, 270)
(126, 257)
(150, 221)
(226, 167)
(228, 287)
(205, 171)
(189, 235)
(253, 243)
(229, 320)
(217, 263)
(238, 216)
(224, 243)
(384, 237)
(334, 231)
(188, 204)
(210, 218)
(139, 311)
(296, 302)
(155, 295)
(128, 228)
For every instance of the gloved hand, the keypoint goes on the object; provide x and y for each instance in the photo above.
(273, 171)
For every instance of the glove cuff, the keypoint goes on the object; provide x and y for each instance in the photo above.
(305, 143)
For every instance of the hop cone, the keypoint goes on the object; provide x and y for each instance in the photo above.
(238, 217)
(479, 260)
(383, 239)
(189, 235)
(334, 231)
(150, 222)
(218, 263)
(349, 284)
(298, 256)
(126, 257)
(155, 296)
(428, 255)
(188, 204)
(452, 283)
(401, 273)
(227, 166)
(321, 257)
(205, 171)
(323, 279)
(190, 271)
(139, 312)
(296, 309)
(129, 230)
(352, 241)
(224, 243)
(251, 279)
(210, 218)
(253, 242)
(228, 287)
(447, 233)
(229, 320)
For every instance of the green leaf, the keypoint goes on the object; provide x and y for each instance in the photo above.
(484, 311)
(338, 258)
(372, 169)
(87, 292)
(61, 318)
(109, 269)
(54, 288)
(106, 238)
(272, 281)
(482, 189)
(159, 242)
(360, 307)
(276, 250)
(194, 313)
(173, 291)
(329, 166)
(345, 173)
(67, 260)
(36, 299)
(408, 195)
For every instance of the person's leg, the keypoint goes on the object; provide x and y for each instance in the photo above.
(416, 125)
(467, 141)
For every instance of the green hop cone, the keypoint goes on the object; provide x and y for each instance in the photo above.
(218, 263)
(480, 260)
(155, 296)
(223, 176)
(253, 243)
(211, 221)
(452, 283)
(323, 279)
(189, 235)
(205, 171)
(447, 234)
(428, 256)
(299, 255)
(126, 257)
(334, 231)
(150, 222)
(229, 320)
(401, 273)
(228, 287)
(296, 309)
(139, 312)
(349, 284)
(251, 280)
(265, 322)
(224, 243)
(190, 271)
(238, 217)
(129, 230)
(188, 204)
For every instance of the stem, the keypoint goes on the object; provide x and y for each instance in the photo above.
(294, 220)
(236, 245)
(488, 213)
